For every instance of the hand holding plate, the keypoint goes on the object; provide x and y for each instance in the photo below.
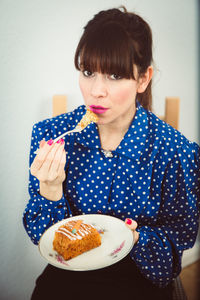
(133, 225)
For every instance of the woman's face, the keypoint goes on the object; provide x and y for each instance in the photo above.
(112, 98)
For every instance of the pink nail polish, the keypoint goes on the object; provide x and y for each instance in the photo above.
(60, 141)
(128, 221)
(50, 142)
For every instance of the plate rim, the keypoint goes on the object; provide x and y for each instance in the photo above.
(82, 269)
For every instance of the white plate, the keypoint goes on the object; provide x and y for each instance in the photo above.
(117, 242)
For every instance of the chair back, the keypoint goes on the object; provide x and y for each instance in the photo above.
(172, 111)
(59, 105)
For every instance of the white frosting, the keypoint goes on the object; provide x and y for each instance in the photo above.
(70, 237)
(83, 230)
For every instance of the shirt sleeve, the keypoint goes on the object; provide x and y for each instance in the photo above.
(158, 252)
(41, 213)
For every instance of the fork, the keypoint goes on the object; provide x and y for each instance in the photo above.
(85, 121)
(76, 129)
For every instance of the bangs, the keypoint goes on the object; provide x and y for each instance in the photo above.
(107, 50)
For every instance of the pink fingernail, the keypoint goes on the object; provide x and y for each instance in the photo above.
(60, 141)
(128, 221)
(50, 142)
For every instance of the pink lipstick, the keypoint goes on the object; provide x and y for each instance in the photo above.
(98, 109)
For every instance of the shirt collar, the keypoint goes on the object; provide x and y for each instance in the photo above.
(133, 143)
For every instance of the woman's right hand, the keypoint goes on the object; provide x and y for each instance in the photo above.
(48, 167)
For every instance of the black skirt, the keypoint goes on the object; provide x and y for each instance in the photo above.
(122, 279)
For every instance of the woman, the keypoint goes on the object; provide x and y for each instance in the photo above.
(130, 165)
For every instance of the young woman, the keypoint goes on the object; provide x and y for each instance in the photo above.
(130, 165)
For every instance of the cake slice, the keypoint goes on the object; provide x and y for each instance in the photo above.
(88, 118)
(71, 241)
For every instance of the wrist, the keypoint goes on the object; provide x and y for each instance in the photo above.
(51, 192)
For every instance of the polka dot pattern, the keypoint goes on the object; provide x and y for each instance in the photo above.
(152, 177)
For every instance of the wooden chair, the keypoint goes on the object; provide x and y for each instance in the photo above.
(172, 108)
(172, 111)
(59, 105)
(178, 290)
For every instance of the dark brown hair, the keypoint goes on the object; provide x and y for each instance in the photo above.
(112, 42)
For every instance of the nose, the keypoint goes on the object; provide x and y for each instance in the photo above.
(98, 88)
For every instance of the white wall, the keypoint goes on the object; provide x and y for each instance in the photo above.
(37, 43)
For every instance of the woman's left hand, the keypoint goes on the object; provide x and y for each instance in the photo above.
(131, 224)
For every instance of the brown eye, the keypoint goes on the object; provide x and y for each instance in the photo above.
(87, 73)
(115, 77)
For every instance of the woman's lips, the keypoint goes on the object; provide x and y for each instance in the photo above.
(98, 109)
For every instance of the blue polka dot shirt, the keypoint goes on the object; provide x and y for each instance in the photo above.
(152, 177)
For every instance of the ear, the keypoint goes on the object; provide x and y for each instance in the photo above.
(144, 80)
